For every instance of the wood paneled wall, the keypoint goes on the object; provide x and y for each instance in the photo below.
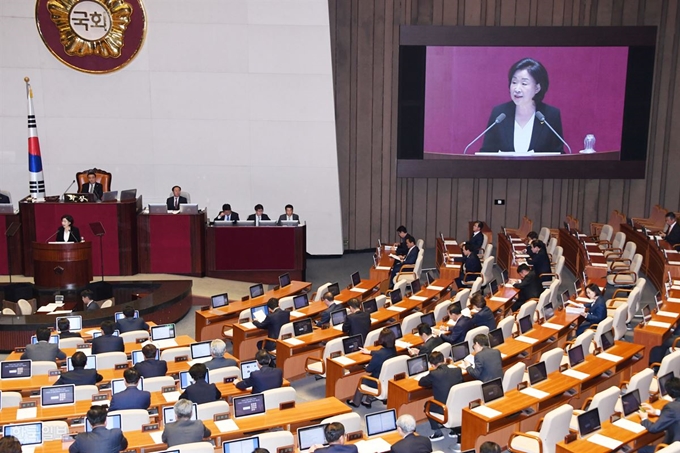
(365, 49)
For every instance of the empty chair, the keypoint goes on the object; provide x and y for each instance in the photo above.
(286, 303)
(544, 235)
(380, 301)
(372, 337)
(317, 366)
(553, 429)
(476, 285)
(11, 399)
(555, 257)
(351, 421)
(462, 296)
(441, 310)
(641, 382)
(528, 308)
(206, 411)
(605, 236)
(487, 270)
(460, 396)
(584, 339)
(219, 374)
(390, 367)
(410, 322)
(274, 397)
(604, 401)
(633, 302)
(399, 286)
(543, 299)
(444, 348)
(24, 307)
(195, 447)
(54, 430)
(553, 292)
(107, 303)
(506, 324)
(156, 384)
(169, 355)
(552, 359)
(619, 321)
(228, 331)
(132, 419)
(8, 311)
(134, 335)
(42, 367)
(272, 441)
(109, 360)
(472, 333)
(669, 363)
(85, 392)
(420, 244)
(513, 376)
(622, 259)
(551, 246)
(556, 274)
(488, 249)
(617, 244)
(625, 277)
(69, 343)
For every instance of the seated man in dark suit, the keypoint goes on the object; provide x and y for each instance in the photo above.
(87, 297)
(129, 322)
(184, 430)
(481, 314)
(672, 234)
(462, 326)
(4, 199)
(200, 391)
(107, 342)
(92, 186)
(440, 379)
(411, 442)
(265, 377)
(176, 199)
(100, 439)
(410, 258)
(488, 362)
(217, 350)
(477, 238)
(358, 322)
(150, 367)
(65, 329)
(540, 260)
(331, 306)
(259, 214)
(227, 214)
(668, 419)
(471, 263)
(131, 397)
(79, 375)
(289, 215)
(402, 249)
(43, 350)
(272, 323)
(429, 341)
(529, 288)
(335, 436)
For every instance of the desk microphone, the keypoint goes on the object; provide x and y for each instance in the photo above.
(542, 119)
(69, 187)
(51, 236)
(499, 119)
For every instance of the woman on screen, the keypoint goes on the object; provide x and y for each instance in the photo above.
(67, 232)
(522, 131)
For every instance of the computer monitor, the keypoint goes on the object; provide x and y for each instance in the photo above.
(57, 395)
(158, 208)
(496, 337)
(200, 350)
(548, 311)
(118, 385)
(630, 402)
(90, 365)
(248, 367)
(352, 344)
(338, 317)
(112, 421)
(493, 286)
(311, 435)
(646, 313)
(565, 297)
(355, 278)
(284, 280)
(381, 422)
(169, 414)
(588, 422)
(27, 434)
(300, 301)
(525, 324)
(256, 291)
(164, 332)
(119, 315)
(429, 276)
(138, 356)
(370, 306)
(128, 194)
(219, 300)
(98, 333)
(188, 208)
(263, 309)
(415, 286)
(289, 223)
(185, 379)
(662, 380)
(15, 369)
(460, 350)
(268, 223)
(54, 339)
(537, 373)
(417, 364)
(334, 289)
(396, 297)
(607, 339)
(75, 323)
(247, 445)
(110, 196)
(302, 327)
(492, 390)
(428, 319)
(396, 330)
(575, 355)
(245, 406)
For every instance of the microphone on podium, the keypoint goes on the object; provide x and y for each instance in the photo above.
(542, 119)
(67, 189)
(51, 236)
(499, 119)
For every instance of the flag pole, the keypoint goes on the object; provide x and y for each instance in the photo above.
(36, 180)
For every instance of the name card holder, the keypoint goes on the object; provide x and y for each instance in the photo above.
(288, 449)
(564, 367)
(150, 427)
(100, 397)
(616, 416)
(20, 349)
(121, 366)
(357, 435)
(522, 385)
(399, 376)
(221, 416)
(54, 373)
(140, 340)
(205, 308)
(287, 405)
(335, 354)
(181, 358)
(27, 404)
(569, 438)
(475, 403)
(168, 389)
(229, 380)
(286, 336)
(84, 346)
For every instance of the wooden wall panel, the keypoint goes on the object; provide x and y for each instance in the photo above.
(365, 50)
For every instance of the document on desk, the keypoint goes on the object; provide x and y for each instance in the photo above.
(486, 412)
(470, 359)
(535, 393)
(499, 299)
(596, 254)
(402, 344)
(344, 361)
(373, 445)
(164, 344)
(604, 441)
(450, 243)
(419, 298)
(609, 357)
(663, 325)
(599, 264)
(629, 425)
(226, 426)
(157, 436)
(571, 310)
(171, 397)
(46, 308)
(525, 339)
(439, 288)
(359, 290)
(666, 314)
(584, 300)
(453, 266)
(552, 326)
(293, 342)
(575, 374)
(394, 257)
(248, 325)
(259, 316)
(27, 412)
(675, 300)
(382, 268)
(60, 312)
(295, 314)
(396, 308)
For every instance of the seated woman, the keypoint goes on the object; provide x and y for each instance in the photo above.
(387, 350)
(596, 311)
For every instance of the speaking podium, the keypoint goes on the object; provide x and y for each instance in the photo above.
(62, 265)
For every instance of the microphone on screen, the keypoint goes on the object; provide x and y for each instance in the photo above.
(542, 119)
(499, 119)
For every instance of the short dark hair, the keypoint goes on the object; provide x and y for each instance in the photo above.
(670, 215)
(173, 188)
(149, 351)
(131, 376)
(479, 224)
(68, 217)
(263, 357)
(435, 358)
(594, 288)
(10, 444)
(469, 247)
(260, 450)
(108, 327)
(129, 311)
(489, 447)
(455, 309)
(198, 371)
(523, 267)
(334, 431)
(42, 334)
(226, 207)
(63, 324)
(78, 360)
(259, 206)
(354, 303)
(409, 238)
(386, 338)
(87, 293)
(535, 70)
(482, 339)
(97, 415)
(328, 296)
(424, 329)
(673, 387)
(402, 229)
(478, 300)
(273, 303)
(91, 173)
(537, 243)
(532, 235)
(289, 206)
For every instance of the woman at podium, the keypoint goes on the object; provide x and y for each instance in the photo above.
(67, 232)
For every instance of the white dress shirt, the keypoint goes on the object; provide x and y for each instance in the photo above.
(523, 135)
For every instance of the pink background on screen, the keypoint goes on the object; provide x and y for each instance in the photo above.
(463, 84)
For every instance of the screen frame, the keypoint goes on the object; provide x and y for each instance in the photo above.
(377, 414)
(260, 397)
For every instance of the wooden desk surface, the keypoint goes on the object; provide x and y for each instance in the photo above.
(650, 336)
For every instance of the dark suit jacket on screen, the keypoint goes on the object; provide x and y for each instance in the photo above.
(170, 202)
(152, 368)
(254, 216)
(201, 392)
(488, 365)
(357, 323)
(184, 432)
(130, 324)
(107, 343)
(79, 377)
(413, 444)
(266, 378)
(73, 237)
(98, 190)
(43, 351)
(502, 136)
(101, 440)
(130, 398)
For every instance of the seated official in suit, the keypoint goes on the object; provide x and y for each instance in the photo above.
(107, 342)
(481, 314)
(67, 232)
(335, 436)
(129, 322)
(10, 444)
(227, 214)
(92, 186)
(131, 397)
(440, 379)
(217, 350)
(289, 215)
(150, 366)
(387, 350)
(259, 214)
(410, 258)
(64, 327)
(272, 323)
(184, 430)
(79, 375)
(411, 442)
(200, 391)
(668, 417)
(459, 330)
(429, 341)
(596, 311)
(489, 447)
(331, 306)
(471, 263)
(524, 130)
(176, 199)
(477, 238)
(265, 377)
(488, 362)
(672, 234)
(540, 261)
(43, 350)
(4, 199)
(529, 287)
(401, 248)
(100, 439)
(357, 322)
(88, 302)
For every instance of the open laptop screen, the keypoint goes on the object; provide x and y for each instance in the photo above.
(138, 356)
(338, 317)
(91, 363)
(248, 367)
(588, 422)
(370, 306)
(492, 390)
(219, 300)
(548, 311)
(248, 445)
(537, 373)
(245, 406)
(417, 365)
(15, 369)
(396, 330)
(575, 354)
(75, 323)
(334, 289)
(200, 350)
(185, 379)
(494, 287)
(415, 286)
(119, 315)
(57, 395)
(525, 324)
(311, 435)
(256, 290)
(112, 421)
(164, 332)
(169, 414)
(662, 382)
(300, 301)
(630, 402)
(118, 385)
(26, 433)
(428, 319)
(460, 351)
(396, 297)
(381, 422)
(352, 344)
(607, 339)
(54, 339)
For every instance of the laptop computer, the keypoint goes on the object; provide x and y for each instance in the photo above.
(496, 337)
(259, 313)
(428, 319)
(525, 324)
(112, 421)
(247, 445)
(28, 434)
(460, 350)
(15, 369)
(607, 339)
(334, 289)
(415, 286)
(338, 318)
(128, 194)
(492, 390)
(396, 297)
(370, 306)
(248, 367)
(355, 278)
(58, 395)
(300, 301)
(200, 352)
(256, 290)
(417, 365)
(110, 196)
(118, 385)
(575, 355)
(75, 323)
(311, 435)
(163, 336)
(662, 382)
(158, 208)
(116, 333)
(284, 280)
(54, 339)
(219, 300)
(396, 330)
(302, 327)
(537, 373)
(352, 344)
(381, 422)
(138, 356)
(588, 422)
(246, 406)
(646, 314)
(630, 402)
(493, 287)
(91, 363)
(185, 379)
(169, 414)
